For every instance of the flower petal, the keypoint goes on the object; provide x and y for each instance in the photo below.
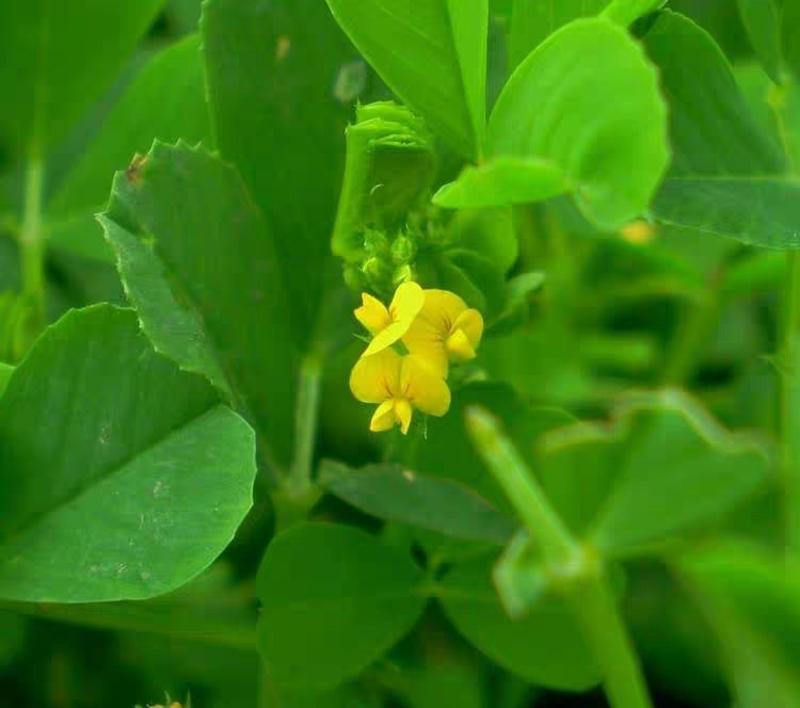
(471, 323)
(384, 339)
(423, 386)
(384, 418)
(426, 344)
(442, 309)
(407, 302)
(403, 414)
(459, 347)
(375, 379)
(372, 314)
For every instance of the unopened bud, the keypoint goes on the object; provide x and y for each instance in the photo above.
(404, 249)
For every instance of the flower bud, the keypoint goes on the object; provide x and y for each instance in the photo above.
(404, 249)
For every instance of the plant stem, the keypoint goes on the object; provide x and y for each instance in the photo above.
(790, 402)
(585, 585)
(306, 415)
(30, 239)
(595, 606)
(521, 488)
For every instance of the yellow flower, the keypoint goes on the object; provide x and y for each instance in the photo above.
(445, 329)
(398, 384)
(388, 326)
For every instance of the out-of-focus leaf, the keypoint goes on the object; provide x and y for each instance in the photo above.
(165, 101)
(503, 180)
(612, 154)
(12, 636)
(790, 43)
(432, 54)
(761, 19)
(274, 84)
(57, 58)
(750, 596)
(532, 21)
(545, 648)
(334, 600)
(156, 481)
(663, 468)
(728, 178)
(5, 374)
(394, 493)
(200, 266)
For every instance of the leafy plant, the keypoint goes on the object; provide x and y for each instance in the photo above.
(404, 354)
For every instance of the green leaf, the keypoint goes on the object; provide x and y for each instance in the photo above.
(432, 54)
(727, 178)
(165, 101)
(532, 21)
(791, 35)
(396, 494)
(663, 468)
(545, 648)
(761, 20)
(280, 109)
(199, 265)
(120, 476)
(760, 211)
(334, 600)
(5, 374)
(750, 597)
(504, 180)
(554, 108)
(59, 57)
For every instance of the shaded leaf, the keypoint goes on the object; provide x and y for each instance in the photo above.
(761, 20)
(157, 479)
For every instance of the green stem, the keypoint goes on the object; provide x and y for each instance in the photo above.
(697, 320)
(596, 608)
(521, 488)
(585, 585)
(306, 416)
(790, 402)
(30, 239)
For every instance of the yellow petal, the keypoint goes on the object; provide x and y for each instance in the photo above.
(459, 346)
(441, 310)
(384, 418)
(403, 414)
(423, 386)
(375, 379)
(372, 314)
(407, 302)
(471, 323)
(384, 339)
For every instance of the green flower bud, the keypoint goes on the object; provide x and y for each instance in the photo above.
(375, 242)
(354, 278)
(404, 249)
(403, 274)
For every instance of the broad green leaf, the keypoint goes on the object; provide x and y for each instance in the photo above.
(728, 178)
(57, 58)
(120, 476)
(554, 108)
(334, 599)
(489, 233)
(761, 20)
(791, 35)
(545, 648)
(532, 21)
(199, 265)
(277, 101)
(396, 494)
(5, 374)
(663, 468)
(504, 180)
(761, 211)
(12, 637)
(626, 12)
(165, 101)
(432, 54)
(750, 597)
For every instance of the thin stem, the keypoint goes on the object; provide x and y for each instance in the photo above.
(595, 606)
(521, 488)
(306, 416)
(30, 239)
(585, 586)
(790, 402)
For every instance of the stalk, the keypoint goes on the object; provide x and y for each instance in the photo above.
(31, 243)
(585, 585)
(306, 415)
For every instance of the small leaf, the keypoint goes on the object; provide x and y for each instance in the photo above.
(200, 266)
(157, 478)
(504, 180)
(545, 648)
(396, 494)
(334, 600)
(554, 108)
(445, 82)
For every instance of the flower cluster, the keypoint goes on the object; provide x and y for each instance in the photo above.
(414, 340)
